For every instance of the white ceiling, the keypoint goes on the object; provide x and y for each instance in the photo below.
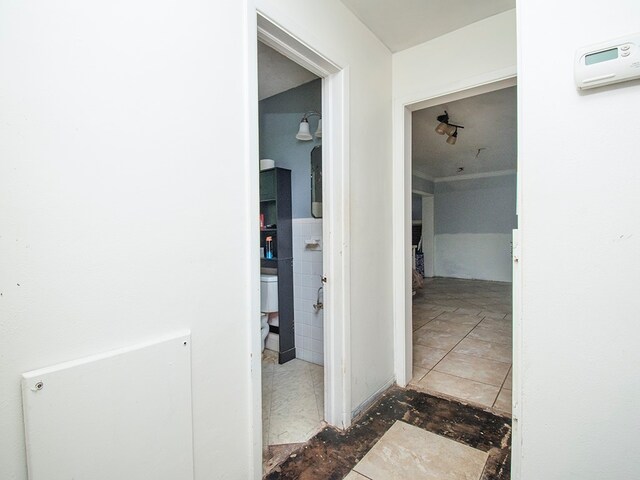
(489, 122)
(401, 24)
(277, 74)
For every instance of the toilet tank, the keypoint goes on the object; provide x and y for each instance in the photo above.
(268, 293)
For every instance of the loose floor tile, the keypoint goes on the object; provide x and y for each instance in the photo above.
(353, 475)
(406, 452)
(457, 387)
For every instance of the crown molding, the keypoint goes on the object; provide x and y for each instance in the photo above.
(471, 176)
(422, 176)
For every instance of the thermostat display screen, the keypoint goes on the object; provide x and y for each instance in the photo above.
(592, 58)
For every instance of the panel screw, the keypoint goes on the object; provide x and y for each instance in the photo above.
(39, 386)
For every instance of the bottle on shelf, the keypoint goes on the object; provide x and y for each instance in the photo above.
(269, 247)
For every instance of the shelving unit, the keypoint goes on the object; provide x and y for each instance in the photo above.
(275, 205)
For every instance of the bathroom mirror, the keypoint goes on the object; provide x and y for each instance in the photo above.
(316, 182)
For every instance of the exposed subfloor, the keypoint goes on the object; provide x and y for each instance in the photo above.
(462, 332)
(292, 405)
(407, 435)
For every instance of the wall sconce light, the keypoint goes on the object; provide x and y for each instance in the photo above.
(303, 131)
(448, 128)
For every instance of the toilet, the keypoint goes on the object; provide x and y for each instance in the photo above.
(268, 302)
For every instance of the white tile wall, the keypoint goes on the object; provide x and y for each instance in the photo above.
(307, 274)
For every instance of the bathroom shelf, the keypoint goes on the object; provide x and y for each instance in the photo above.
(275, 205)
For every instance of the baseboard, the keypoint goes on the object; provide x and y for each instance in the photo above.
(372, 398)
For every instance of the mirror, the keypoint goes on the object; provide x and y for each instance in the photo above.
(316, 182)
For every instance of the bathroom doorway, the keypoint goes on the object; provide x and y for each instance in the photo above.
(304, 369)
(291, 288)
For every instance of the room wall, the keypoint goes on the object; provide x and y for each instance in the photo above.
(474, 220)
(580, 250)
(279, 119)
(335, 33)
(121, 221)
(482, 47)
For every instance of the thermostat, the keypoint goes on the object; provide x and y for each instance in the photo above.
(609, 62)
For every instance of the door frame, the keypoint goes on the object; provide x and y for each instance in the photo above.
(335, 221)
(401, 178)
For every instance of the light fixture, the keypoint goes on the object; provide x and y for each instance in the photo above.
(303, 131)
(448, 128)
(452, 138)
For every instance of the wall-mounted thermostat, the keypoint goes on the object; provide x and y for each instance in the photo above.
(608, 62)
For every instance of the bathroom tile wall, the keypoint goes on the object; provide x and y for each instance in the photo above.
(307, 274)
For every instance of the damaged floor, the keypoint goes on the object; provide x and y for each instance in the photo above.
(409, 435)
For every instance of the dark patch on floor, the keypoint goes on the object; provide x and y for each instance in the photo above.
(331, 454)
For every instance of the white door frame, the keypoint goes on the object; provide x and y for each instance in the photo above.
(335, 221)
(401, 177)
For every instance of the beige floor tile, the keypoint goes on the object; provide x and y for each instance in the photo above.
(292, 401)
(436, 339)
(459, 319)
(491, 335)
(474, 368)
(499, 325)
(468, 311)
(490, 314)
(292, 428)
(427, 357)
(448, 327)
(503, 402)
(482, 349)
(508, 383)
(406, 452)
(353, 475)
(465, 389)
(418, 373)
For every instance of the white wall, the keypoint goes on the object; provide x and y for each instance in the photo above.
(580, 249)
(335, 33)
(307, 279)
(123, 221)
(115, 213)
(446, 61)
(474, 220)
(478, 54)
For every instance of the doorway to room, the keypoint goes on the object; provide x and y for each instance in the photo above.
(464, 161)
(300, 133)
(291, 239)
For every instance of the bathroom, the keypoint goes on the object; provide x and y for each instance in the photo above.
(291, 249)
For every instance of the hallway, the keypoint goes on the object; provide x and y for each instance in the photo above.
(462, 335)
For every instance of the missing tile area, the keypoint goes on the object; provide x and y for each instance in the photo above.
(333, 454)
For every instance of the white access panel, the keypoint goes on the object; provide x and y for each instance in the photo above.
(122, 415)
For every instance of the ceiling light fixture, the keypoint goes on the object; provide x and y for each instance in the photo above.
(303, 131)
(448, 128)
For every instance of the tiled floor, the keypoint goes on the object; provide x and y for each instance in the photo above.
(462, 341)
(407, 435)
(292, 403)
